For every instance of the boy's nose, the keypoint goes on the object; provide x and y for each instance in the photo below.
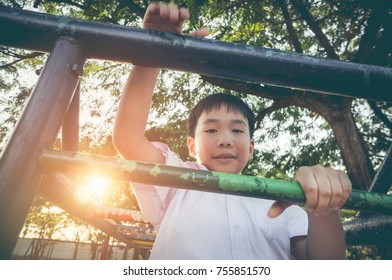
(224, 142)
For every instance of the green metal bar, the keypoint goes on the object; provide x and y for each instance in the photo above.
(200, 180)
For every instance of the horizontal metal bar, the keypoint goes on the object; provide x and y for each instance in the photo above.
(374, 229)
(119, 214)
(38, 31)
(200, 180)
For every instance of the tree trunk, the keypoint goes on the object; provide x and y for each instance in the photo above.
(337, 112)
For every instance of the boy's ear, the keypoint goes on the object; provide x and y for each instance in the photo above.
(251, 149)
(191, 146)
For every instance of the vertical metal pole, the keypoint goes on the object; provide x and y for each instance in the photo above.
(105, 248)
(70, 129)
(36, 130)
(75, 254)
(125, 254)
(382, 181)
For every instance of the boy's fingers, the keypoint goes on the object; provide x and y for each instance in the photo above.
(169, 18)
(324, 189)
(346, 188)
(153, 8)
(163, 10)
(305, 178)
(174, 13)
(202, 32)
(183, 14)
(336, 189)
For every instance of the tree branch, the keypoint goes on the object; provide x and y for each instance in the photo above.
(288, 21)
(20, 58)
(276, 105)
(371, 33)
(270, 92)
(139, 11)
(284, 97)
(314, 26)
(81, 7)
(227, 8)
(69, 2)
(380, 115)
(382, 51)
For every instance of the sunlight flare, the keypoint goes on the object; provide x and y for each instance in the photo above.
(97, 186)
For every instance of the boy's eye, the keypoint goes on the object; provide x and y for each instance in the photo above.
(237, 131)
(211, 130)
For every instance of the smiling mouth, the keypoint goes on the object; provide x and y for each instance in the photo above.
(224, 156)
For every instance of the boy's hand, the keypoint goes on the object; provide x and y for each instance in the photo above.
(326, 190)
(168, 18)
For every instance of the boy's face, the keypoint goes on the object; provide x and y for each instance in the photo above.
(222, 141)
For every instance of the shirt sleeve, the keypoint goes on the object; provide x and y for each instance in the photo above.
(297, 221)
(154, 200)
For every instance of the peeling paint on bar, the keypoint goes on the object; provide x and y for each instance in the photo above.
(200, 180)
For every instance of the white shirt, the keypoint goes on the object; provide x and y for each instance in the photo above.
(201, 225)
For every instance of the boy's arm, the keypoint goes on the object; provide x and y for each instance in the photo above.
(325, 239)
(132, 115)
(134, 107)
(326, 191)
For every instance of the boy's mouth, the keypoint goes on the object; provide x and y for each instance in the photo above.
(224, 156)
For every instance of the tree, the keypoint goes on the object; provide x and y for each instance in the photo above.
(355, 133)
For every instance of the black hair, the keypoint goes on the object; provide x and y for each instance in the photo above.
(213, 102)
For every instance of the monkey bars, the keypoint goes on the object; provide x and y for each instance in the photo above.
(54, 101)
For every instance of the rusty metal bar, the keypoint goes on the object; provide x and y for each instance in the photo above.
(36, 130)
(39, 31)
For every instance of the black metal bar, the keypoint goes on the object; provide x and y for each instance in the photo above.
(37, 31)
(36, 130)
(382, 182)
(369, 230)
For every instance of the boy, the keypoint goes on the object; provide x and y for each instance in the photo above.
(199, 225)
